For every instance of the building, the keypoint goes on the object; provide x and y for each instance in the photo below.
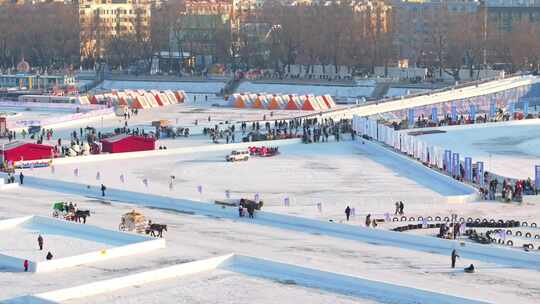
(24, 78)
(35, 81)
(128, 143)
(503, 14)
(22, 151)
(203, 31)
(102, 20)
(420, 22)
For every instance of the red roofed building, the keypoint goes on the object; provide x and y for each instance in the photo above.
(128, 143)
(22, 151)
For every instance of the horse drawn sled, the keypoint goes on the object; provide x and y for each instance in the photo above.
(136, 221)
(69, 212)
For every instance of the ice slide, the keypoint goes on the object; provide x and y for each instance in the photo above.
(427, 99)
(415, 171)
(501, 256)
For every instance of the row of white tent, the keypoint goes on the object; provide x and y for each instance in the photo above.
(282, 102)
(139, 99)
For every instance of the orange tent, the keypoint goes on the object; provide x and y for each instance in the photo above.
(329, 101)
(308, 105)
(136, 104)
(274, 103)
(291, 105)
(257, 104)
(122, 101)
(239, 102)
(180, 96)
(157, 97)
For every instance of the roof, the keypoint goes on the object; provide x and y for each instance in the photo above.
(116, 138)
(16, 144)
(120, 137)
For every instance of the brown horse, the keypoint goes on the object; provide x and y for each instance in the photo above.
(156, 230)
(81, 214)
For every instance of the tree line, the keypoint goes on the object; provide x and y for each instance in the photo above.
(48, 36)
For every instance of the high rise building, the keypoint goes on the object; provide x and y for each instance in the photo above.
(504, 14)
(102, 20)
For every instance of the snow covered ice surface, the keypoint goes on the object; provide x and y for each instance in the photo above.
(509, 149)
(21, 242)
(334, 174)
(234, 288)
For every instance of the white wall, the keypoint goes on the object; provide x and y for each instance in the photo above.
(12, 262)
(13, 222)
(111, 285)
(97, 256)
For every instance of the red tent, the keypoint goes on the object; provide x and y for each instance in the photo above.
(291, 105)
(128, 143)
(21, 151)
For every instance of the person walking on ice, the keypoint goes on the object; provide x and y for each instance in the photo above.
(348, 212)
(21, 178)
(40, 242)
(455, 255)
(103, 188)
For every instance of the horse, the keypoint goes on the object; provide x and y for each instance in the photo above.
(81, 214)
(152, 229)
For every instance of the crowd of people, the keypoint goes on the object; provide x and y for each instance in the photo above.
(509, 190)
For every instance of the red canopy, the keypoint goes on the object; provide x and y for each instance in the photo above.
(128, 143)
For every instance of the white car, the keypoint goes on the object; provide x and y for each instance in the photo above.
(237, 156)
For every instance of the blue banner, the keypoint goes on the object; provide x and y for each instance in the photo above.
(455, 165)
(448, 161)
(411, 117)
(453, 110)
(511, 109)
(434, 116)
(492, 109)
(468, 169)
(537, 176)
(525, 109)
(480, 173)
(473, 112)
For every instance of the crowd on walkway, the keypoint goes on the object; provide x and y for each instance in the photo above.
(509, 190)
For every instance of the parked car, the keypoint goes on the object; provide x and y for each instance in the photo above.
(237, 156)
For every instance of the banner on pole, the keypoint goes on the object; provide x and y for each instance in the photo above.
(448, 161)
(537, 176)
(492, 109)
(480, 173)
(468, 169)
(455, 165)
(411, 117)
